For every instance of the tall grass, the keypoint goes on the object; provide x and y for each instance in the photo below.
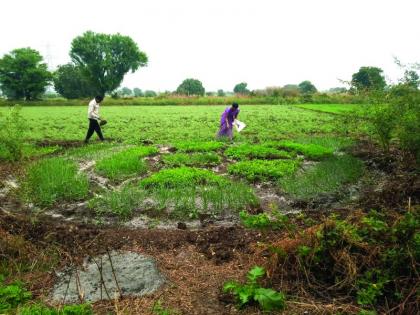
(264, 169)
(52, 180)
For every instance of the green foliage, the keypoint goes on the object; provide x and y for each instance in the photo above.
(71, 83)
(12, 295)
(197, 146)
(264, 170)
(309, 150)
(263, 221)
(182, 177)
(190, 87)
(196, 159)
(23, 74)
(56, 179)
(105, 59)
(138, 92)
(221, 93)
(268, 299)
(382, 120)
(241, 88)
(158, 309)
(371, 286)
(125, 163)
(150, 93)
(248, 151)
(368, 79)
(40, 309)
(11, 135)
(120, 203)
(306, 87)
(326, 177)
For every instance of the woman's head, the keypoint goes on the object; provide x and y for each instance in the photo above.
(235, 105)
(99, 98)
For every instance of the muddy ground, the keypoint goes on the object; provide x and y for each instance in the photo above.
(195, 262)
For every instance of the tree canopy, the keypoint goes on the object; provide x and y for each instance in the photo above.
(105, 59)
(241, 88)
(306, 87)
(191, 87)
(368, 79)
(70, 82)
(23, 74)
(137, 92)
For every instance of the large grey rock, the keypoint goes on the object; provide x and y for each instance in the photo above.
(136, 275)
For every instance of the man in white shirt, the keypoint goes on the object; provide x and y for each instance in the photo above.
(93, 116)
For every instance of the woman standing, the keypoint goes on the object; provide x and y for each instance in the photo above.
(226, 121)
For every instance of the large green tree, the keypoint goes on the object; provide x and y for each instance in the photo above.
(23, 74)
(191, 87)
(105, 59)
(368, 79)
(241, 88)
(306, 87)
(71, 83)
(138, 92)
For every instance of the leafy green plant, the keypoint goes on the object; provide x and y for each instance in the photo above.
(40, 309)
(263, 221)
(12, 295)
(309, 150)
(327, 176)
(55, 179)
(264, 170)
(196, 159)
(371, 286)
(248, 151)
(158, 309)
(252, 292)
(125, 163)
(196, 146)
(12, 135)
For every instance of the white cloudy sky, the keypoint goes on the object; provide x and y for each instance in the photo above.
(224, 42)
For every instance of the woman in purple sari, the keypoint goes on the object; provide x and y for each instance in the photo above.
(226, 121)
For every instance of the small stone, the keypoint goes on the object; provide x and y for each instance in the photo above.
(181, 226)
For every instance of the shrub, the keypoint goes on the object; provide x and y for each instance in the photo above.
(248, 151)
(125, 163)
(197, 146)
(264, 170)
(55, 179)
(311, 151)
(251, 291)
(327, 176)
(197, 159)
(11, 135)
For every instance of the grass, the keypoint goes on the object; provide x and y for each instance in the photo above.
(334, 143)
(325, 177)
(94, 151)
(52, 180)
(264, 170)
(331, 108)
(309, 150)
(196, 159)
(249, 151)
(197, 146)
(125, 163)
(40, 309)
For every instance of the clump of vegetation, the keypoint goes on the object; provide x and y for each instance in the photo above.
(158, 309)
(12, 295)
(198, 146)
(309, 150)
(264, 170)
(125, 163)
(55, 179)
(327, 176)
(264, 221)
(251, 292)
(94, 151)
(372, 257)
(249, 151)
(40, 309)
(196, 159)
(11, 135)
(120, 203)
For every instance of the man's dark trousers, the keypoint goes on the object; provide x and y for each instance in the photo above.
(94, 126)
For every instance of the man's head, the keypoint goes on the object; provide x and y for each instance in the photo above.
(99, 98)
(235, 105)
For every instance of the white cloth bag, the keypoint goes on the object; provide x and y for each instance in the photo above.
(239, 125)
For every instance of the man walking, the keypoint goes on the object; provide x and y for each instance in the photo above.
(93, 116)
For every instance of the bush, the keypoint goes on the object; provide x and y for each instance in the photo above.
(11, 135)
(264, 170)
(125, 163)
(55, 179)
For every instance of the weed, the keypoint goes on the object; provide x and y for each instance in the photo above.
(263, 221)
(125, 163)
(251, 291)
(52, 180)
(12, 295)
(11, 135)
(264, 170)
(196, 159)
(325, 177)
(248, 151)
(158, 309)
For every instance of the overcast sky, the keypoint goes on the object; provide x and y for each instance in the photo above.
(224, 42)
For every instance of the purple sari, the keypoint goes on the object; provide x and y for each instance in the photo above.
(228, 115)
